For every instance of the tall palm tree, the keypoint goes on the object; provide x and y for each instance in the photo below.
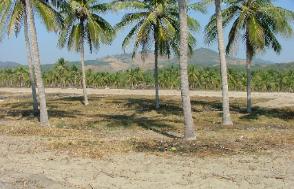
(13, 15)
(83, 26)
(154, 25)
(223, 64)
(31, 66)
(186, 102)
(34, 49)
(257, 22)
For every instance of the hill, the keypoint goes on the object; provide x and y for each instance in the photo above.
(208, 57)
(277, 66)
(9, 64)
(201, 57)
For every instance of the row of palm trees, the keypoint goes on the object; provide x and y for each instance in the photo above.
(64, 75)
(163, 25)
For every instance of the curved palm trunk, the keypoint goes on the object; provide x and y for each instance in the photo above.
(186, 103)
(249, 57)
(157, 101)
(86, 102)
(31, 67)
(223, 65)
(36, 61)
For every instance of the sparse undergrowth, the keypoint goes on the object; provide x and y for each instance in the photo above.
(130, 124)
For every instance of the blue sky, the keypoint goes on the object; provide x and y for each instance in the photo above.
(13, 49)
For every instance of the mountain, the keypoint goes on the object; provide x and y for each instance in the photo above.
(277, 66)
(9, 64)
(208, 57)
(120, 62)
(201, 57)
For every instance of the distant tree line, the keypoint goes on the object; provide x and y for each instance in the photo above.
(64, 75)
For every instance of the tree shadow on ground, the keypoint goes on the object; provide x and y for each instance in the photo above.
(127, 121)
(67, 99)
(25, 110)
(172, 107)
(283, 113)
(167, 107)
(28, 114)
(214, 105)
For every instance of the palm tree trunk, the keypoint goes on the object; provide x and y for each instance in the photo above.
(186, 103)
(36, 61)
(157, 101)
(31, 67)
(86, 102)
(223, 65)
(249, 78)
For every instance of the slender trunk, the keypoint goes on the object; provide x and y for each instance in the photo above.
(186, 103)
(223, 65)
(36, 61)
(249, 77)
(86, 102)
(31, 67)
(157, 102)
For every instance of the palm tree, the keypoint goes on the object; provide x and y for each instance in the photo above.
(13, 15)
(259, 21)
(34, 49)
(154, 24)
(21, 74)
(84, 26)
(186, 102)
(31, 66)
(223, 64)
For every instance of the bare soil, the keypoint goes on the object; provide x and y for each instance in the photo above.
(277, 99)
(21, 167)
(120, 141)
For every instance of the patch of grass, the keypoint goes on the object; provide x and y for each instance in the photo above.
(61, 124)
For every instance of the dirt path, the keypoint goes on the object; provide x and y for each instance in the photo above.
(276, 100)
(24, 165)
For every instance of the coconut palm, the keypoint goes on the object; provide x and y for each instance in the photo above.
(21, 74)
(257, 22)
(35, 55)
(14, 15)
(186, 102)
(83, 26)
(223, 64)
(154, 24)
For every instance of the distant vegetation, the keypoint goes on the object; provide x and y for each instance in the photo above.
(265, 78)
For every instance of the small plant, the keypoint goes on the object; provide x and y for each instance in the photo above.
(61, 124)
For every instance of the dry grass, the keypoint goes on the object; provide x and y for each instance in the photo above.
(123, 124)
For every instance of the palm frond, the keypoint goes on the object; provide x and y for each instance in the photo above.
(50, 17)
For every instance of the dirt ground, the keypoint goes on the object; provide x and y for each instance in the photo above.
(118, 145)
(278, 99)
(19, 168)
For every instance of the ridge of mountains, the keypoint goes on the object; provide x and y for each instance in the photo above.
(9, 64)
(202, 57)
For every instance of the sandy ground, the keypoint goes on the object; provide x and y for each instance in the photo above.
(277, 99)
(24, 165)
